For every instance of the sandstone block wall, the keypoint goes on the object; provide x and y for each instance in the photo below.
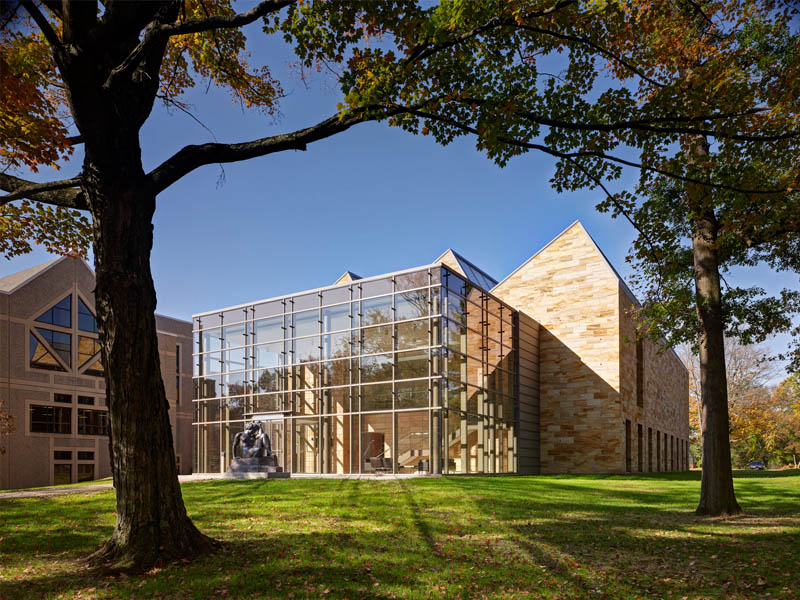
(589, 418)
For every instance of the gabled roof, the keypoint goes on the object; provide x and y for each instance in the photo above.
(468, 269)
(11, 283)
(607, 262)
(346, 277)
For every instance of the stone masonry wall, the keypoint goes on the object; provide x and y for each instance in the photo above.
(571, 291)
(665, 400)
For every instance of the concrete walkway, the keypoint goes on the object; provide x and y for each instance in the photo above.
(90, 489)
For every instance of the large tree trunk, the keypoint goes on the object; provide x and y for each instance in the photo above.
(716, 490)
(152, 524)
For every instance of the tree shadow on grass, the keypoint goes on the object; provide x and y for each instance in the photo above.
(445, 538)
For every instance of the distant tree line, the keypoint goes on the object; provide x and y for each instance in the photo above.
(764, 417)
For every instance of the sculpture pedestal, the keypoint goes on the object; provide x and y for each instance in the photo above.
(259, 464)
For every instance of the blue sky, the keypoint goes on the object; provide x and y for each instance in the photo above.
(371, 200)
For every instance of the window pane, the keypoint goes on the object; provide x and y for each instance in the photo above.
(233, 336)
(336, 295)
(306, 301)
(306, 323)
(92, 422)
(268, 309)
(267, 330)
(235, 360)
(236, 384)
(50, 419)
(455, 336)
(60, 342)
(234, 315)
(376, 310)
(268, 355)
(336, 372)
(62, 474)
(376, 443)
(87, 348)
(338, 400)
(60, 314)
(376, 368)
(85, 472)
(457, 308)
(210, 340)
(413, 364)
(86, 320)
(41, 357)
(376, 287)
(336, 345)
(411, 305)
(206, 387)
(413, 451)
(411, 394)
(306, 349)
(306, 403)
(455, 366)
(412, 334)
(62, 455)
(269, 380)
(376, 397)
(409, 281)
(306, 376)
(377, 339)
(268, 403)
(233, 409)
(335, 318)
(206, 410)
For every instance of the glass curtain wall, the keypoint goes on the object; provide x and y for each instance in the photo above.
(410, 373)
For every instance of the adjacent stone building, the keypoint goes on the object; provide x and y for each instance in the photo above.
(51, 378)
(607, 404)
(441, 369)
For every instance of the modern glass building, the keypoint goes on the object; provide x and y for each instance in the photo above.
(410, 372)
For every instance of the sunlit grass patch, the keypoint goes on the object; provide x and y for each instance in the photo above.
(493, 537)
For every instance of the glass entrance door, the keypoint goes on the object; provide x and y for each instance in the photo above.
(306, 446)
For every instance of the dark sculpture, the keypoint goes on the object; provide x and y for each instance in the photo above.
(251, 452)
(253, 442)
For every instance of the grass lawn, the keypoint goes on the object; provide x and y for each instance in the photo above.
(457, 537)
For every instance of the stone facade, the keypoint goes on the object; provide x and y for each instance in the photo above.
(73, 387)
(589, 417)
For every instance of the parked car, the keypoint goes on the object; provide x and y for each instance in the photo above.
(756, 465)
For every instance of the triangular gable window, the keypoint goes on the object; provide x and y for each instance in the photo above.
(41, 357)
(60, 342)
(86, 319)
(96, 368)
(60, 314)
(87, 350)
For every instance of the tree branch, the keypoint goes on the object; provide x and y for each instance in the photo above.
(57, 193)
(191, 157)
(649, 124)
(426, 49)
(588, 154)
(593, 46)
(165, 30)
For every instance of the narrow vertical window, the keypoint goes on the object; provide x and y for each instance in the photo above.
(640, 447)
(639, 374)
(177, 374)
(627, 445)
